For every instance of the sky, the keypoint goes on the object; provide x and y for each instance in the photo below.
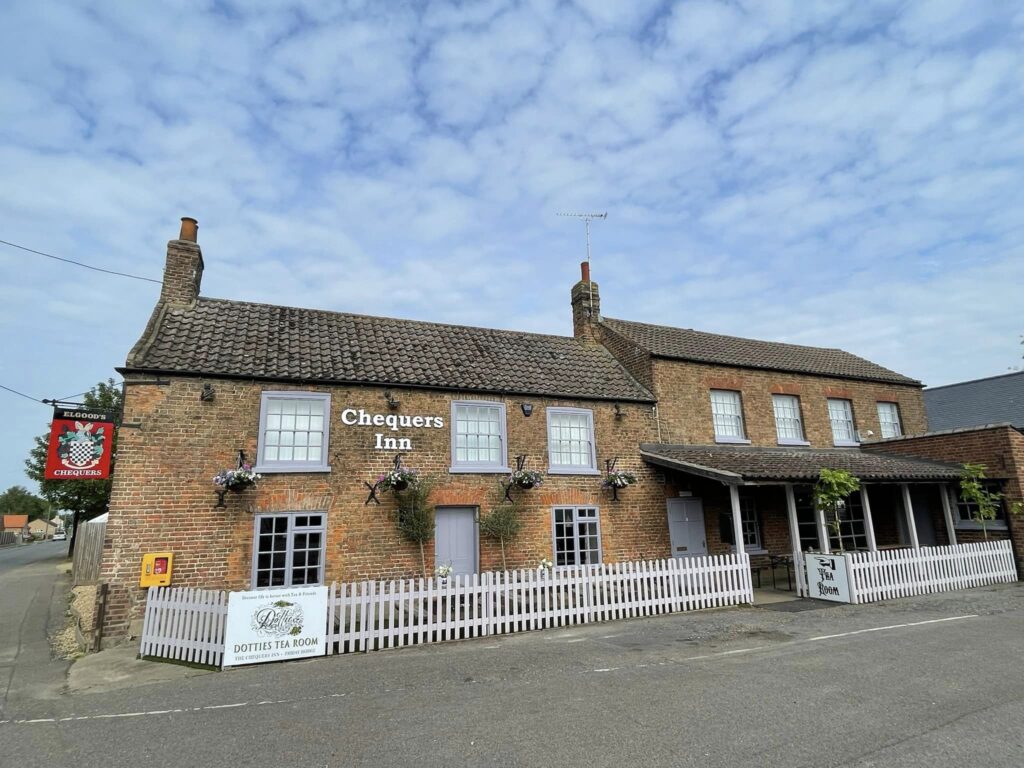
(842, 175)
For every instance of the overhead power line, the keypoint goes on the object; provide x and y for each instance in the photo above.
(80, 264)
(22, 394)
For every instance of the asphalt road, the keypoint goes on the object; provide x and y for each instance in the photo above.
(32, 604)
(932, 681)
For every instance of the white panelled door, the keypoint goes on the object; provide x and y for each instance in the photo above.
(686, 527)
(455, 539)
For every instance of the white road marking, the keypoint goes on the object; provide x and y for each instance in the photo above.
(154, 712)
(893, 626)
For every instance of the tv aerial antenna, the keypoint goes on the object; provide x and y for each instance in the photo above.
(587, 218)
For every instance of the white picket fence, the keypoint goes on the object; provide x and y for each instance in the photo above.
(188, 624)
(905, 572)
(185, 624)
(372, 615)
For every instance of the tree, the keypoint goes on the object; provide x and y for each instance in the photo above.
(983, 504)
(416, 517)
(834, 486)
(17, 500)
(502, 523)
(85, 498)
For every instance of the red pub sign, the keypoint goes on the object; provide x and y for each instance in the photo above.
(80, 444)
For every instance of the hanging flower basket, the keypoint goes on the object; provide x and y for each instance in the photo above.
(526, 479)
(618, 480)
(398, 479)
(236, 480)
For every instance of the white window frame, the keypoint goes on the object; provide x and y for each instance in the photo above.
(787, 401)
(842, 442)
(721, 438)
(576, 522)
(572, 469)
(964, 522)
(893, 409)
(479, 466)
(293, 466)
(291, 531)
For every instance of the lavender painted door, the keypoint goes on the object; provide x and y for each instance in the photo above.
(455, 538)
(686, 527)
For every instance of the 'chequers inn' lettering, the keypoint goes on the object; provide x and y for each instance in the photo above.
(351, 417)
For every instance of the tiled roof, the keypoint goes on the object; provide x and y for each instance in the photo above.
(996, 400)
(733, 464)
(698, 346)
(15, 521)
(233, 338)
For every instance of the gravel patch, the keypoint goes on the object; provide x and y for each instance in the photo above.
(81, 607)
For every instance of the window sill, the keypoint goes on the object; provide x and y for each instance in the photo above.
(749, 551)
(732, 440)
(572, 471)
(846, 444)
(993, 526)
(801, 443)
(290, 470)
(479, 470)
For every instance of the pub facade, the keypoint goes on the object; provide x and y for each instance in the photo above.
(723, 436)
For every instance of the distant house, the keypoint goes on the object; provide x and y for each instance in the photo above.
(41, 529)
(977, 403)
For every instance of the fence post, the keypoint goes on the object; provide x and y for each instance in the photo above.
(850, 580)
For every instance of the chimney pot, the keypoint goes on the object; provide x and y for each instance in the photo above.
(189, 229)
(585, 271)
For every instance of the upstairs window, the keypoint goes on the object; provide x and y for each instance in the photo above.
(889, 419)
(571, 441)
(727, 415)
(788, 426)
(294, 429)
(840, 413)
(478, 437)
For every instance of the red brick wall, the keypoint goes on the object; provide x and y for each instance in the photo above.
(1000, 449)
(163, 497)
(684, 402)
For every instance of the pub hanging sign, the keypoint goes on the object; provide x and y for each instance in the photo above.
(80, 444)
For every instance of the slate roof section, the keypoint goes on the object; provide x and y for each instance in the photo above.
(994, 400)
(732, 464)
(219, 337)
(698, 346)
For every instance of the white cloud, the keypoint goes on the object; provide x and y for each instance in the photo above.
(825, 173)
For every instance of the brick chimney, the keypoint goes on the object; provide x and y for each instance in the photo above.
(586, 306)
(183, 271)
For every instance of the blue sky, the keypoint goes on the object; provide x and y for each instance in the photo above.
(813, 172)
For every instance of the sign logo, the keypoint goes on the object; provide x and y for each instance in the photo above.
(80, 445)
(277, 619)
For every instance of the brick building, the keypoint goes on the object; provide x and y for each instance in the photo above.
(725, 436)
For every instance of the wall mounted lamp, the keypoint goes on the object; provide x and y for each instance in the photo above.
(390, 398)
(208, 393)
(527, 408)
(619, 413)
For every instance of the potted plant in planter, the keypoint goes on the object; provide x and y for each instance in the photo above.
(526, 479)
(398, 479)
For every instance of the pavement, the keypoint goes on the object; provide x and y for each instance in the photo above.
(931, 681)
